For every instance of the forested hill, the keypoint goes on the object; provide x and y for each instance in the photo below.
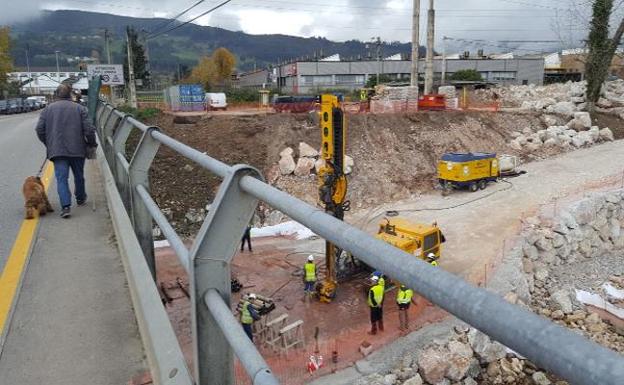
(77, 33)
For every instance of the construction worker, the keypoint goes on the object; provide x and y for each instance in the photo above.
(404, 299)
(375, 302)
(248, 315)
(247, 238)
(432, 259)
(309, 277)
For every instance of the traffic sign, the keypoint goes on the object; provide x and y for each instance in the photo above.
(112, 74)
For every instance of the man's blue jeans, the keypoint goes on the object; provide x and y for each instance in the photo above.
(62, 165)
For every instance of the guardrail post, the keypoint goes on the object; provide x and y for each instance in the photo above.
(139, 175)
(107, 132)
(211, 253)
(119, 167)
(104, 120)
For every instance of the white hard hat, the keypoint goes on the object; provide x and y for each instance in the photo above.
(252, 296)
(431, 255)
(310, 257)
(375, 278)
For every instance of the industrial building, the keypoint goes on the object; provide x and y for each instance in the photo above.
(303, 77)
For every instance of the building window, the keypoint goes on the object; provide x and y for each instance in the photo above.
(349, 79)
(503, 76)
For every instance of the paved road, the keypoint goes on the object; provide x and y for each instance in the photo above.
(73, 323)
(21, 155)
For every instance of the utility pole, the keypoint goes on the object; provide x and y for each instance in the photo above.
(28, 68)
(415, 44)
(131, 86)
(107, 45)
(443, 60)
(58, 71)
(378, 42)
(430, 41)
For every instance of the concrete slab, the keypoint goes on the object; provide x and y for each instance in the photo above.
(74, 323)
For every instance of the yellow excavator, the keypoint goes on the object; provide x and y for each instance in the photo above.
(417, 239)
(332, 181)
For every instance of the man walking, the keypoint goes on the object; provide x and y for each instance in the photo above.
(310, 276)
(247, 237)
(404, 299)
(248, 315)
(64, 128)
(375, 303)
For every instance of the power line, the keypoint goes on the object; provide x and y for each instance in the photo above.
(193, 19)
(174, 19)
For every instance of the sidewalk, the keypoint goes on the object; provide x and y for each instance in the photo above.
(74, 322)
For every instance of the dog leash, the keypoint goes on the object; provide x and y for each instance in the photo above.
(42, 166)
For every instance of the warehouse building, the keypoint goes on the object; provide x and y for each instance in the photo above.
(304, 77)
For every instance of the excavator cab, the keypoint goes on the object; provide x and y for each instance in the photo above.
(415, 238)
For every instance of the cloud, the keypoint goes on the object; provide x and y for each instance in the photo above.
(24, 10)
(466, 21)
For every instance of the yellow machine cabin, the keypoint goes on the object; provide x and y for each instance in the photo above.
(414, 238)
(472, 170)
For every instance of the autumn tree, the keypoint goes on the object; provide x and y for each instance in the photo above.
(601, 48)
(6, 62)
(214, 70)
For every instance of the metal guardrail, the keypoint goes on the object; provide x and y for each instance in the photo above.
(217, 334)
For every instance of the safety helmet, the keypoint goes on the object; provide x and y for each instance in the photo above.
(431, 256)
(375, 278)
(252, 296)
(310, 258)
(403, 287)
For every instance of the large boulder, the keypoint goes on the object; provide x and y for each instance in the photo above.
(459, 359)
(560, 300)
(550, 120)
(304, 165)
(594, 134)
(486, 350)
(287, 164)
(515, 145)
(581, 121)
(287, 151)
(604, 103)
(305, 150)
(349, 164)
(320, 162)
(563, 108)
(416, 380)
(433, 364)
(606, 134)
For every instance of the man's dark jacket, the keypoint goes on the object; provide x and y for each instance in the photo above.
(65, 129)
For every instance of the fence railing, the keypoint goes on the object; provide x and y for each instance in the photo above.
(218, 335)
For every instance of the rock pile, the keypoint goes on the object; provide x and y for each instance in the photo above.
(307, 162)
(468, 357)
(577, 133)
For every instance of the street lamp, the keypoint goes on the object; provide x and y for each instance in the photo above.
(58, 72)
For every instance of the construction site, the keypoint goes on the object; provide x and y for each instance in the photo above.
(539, 224)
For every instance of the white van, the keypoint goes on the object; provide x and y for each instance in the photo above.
(216, 101)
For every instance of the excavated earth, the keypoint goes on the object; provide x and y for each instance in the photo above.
(395, 154)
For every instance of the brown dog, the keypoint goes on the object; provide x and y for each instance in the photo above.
(35, 197)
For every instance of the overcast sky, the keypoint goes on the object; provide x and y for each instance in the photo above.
(494, 21)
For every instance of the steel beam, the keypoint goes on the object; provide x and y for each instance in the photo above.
(211, 253)
(139, 175)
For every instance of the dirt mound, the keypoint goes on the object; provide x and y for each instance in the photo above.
(395, 155)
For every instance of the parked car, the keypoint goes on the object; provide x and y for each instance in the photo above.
(40, 101)
(15, 106)
(4, 107)
(30, 105)
(216, 101)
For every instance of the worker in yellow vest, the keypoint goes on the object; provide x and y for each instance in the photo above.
(309, 278)
(432, 259)
(404, 299)
(248, 315)
(375, 303)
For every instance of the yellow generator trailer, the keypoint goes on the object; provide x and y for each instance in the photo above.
(472, 170)
(415, 238)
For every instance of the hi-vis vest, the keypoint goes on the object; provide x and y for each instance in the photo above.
(434, 263)
(404, 296)
(245, 314)
(378, 294)
(310, 272)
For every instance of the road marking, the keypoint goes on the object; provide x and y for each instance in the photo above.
(10, 280)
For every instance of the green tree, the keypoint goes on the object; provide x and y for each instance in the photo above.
(467, 75)
(601, 48)
(138, 58)
(6, 61)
